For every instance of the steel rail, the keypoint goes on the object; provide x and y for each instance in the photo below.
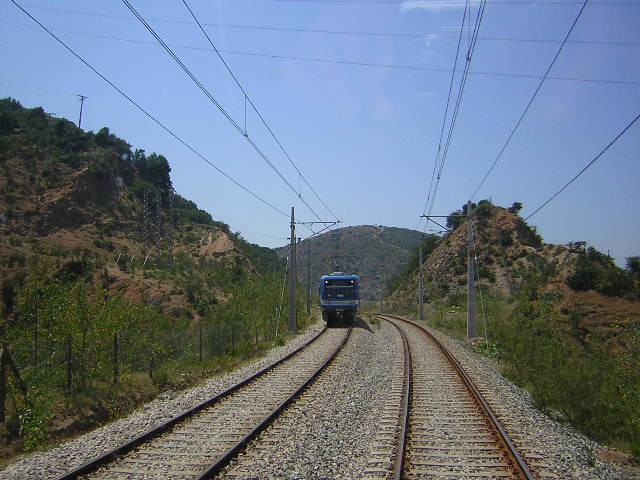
(224, 459)
(117, 452)
(515, 459)
(406, 400)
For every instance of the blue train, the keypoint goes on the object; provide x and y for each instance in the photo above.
(339, 297)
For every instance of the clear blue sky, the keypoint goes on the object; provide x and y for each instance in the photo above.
(364, 136)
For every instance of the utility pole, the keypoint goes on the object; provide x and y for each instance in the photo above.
(471, 291)
(420, 285)
(292, 275)
(82, 97)
(380, 293)
(308, 277)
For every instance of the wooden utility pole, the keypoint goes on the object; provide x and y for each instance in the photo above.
(471, 291)
(308, 277)
(82, 97)
(420, 285)
(292, 276)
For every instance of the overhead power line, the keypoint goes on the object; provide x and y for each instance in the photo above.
(326, 31)
(218, 105)
(533, 97)
(255, 109)
(445, 3)
(341, 62)
(444, 118)
(454, 116)
(585, 168)
(146, 112)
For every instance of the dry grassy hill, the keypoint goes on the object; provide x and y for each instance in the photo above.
(88, 206)
(508, 252)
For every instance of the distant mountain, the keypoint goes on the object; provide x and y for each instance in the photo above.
(372, 252)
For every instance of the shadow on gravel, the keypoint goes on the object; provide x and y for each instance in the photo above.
(358, 322)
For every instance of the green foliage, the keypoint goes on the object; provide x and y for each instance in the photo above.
(61, 324)
(155, 170)
(528, 235)
(455, 218)
(565, 375)
(633, 266)
(188, 212)
(515, 207)
(597, 271)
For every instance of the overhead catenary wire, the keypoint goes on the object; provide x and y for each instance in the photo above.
(326, 31)
(463, 80)
(389, 66)
(264, 122)
(218, 105)
(444, 3)
(444, 119)
(585, 168)
(533, 97)
(148, 114)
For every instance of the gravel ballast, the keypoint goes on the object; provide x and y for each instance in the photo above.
(330, 430)
(337, 418)
(556, 450)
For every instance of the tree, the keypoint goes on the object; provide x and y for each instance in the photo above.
(633, 265)
(515, 207)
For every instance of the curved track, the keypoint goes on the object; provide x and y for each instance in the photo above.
(450, 430)
(199, 442)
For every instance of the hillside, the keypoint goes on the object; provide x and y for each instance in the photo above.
(561, 321)
(90, 206)
(509, 252)
(369, 251)
(113, 286)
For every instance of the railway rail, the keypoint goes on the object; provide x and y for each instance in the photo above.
(199, 442)
(439, 425)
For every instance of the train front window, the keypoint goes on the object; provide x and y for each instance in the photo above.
(340, 289)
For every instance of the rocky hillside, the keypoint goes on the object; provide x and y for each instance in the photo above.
(585, 282)
(369, 251)
(86, 205)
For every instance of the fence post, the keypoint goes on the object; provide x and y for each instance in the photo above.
(69, 363)
(201, 346)
(3, 383)
(7, 359)
(116, 359)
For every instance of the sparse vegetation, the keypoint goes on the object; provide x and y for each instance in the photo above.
(551, 321)
(83, 261)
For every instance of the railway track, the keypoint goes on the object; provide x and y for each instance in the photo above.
(437, 424)
(198, 443)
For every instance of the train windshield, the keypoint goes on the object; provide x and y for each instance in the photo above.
(340, 289)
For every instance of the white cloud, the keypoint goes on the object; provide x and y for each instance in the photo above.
(435, 4)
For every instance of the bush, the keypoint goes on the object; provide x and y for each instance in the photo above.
(588, 387)
(596, 271)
